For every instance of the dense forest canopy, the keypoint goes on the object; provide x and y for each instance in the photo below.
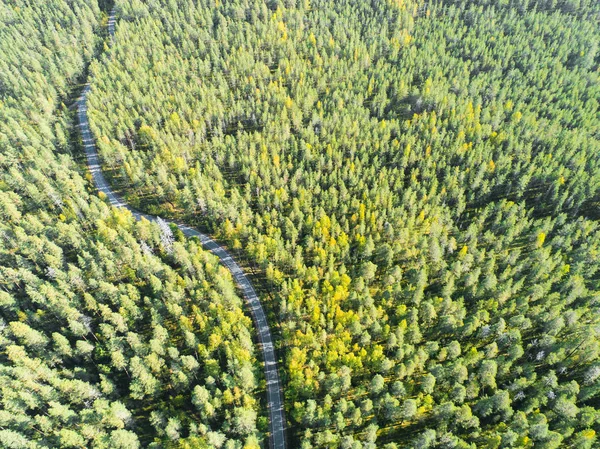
(419, 183)
(113, 334)
(416, 185)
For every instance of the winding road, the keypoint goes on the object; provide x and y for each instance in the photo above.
(274, 391)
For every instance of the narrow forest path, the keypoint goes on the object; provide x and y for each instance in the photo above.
(274, 391)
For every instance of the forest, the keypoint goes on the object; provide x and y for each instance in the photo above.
(414, 184)
(417, 182)
(113, 334)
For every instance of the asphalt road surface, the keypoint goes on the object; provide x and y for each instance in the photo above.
(274, 391)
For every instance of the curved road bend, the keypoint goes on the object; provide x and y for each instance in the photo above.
(274, 391)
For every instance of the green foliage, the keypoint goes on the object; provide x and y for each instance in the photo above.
(103, 335)
(419, 182)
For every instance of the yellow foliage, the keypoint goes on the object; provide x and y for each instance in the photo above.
(470, 111)
(361, 211)
(179, 164)
(228, 228)
(316, 314)
(228, 396)
(214, 341)
(174, 119)
(524, 442)
(251, 444)
(588, 434)
(541, 237)
(297, 361)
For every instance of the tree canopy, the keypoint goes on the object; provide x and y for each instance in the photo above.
(113, 334)
(418, 182)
